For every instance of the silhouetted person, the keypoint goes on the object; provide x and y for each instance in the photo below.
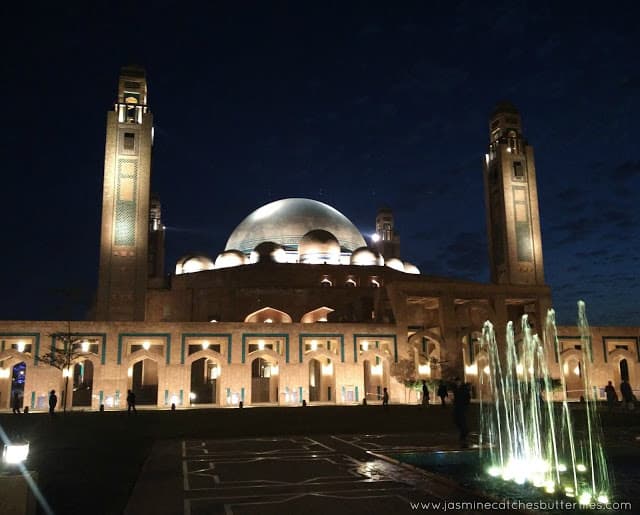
(425, 394)
(627, 394)
(442, 392)
(16, 403)
(53, 402)
(612, 396)
(385, 398)
(131, 401)
(461, 400)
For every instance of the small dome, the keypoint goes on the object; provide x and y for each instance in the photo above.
(396, 264)
(193, 263)
(319, 246)
(364, 256)
(268, 251)
(230, 258)
(410, 269)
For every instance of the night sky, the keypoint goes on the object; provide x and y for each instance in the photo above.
(357, 105)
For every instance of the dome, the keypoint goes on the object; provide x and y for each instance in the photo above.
(193, 263)
(410, 269)
(319, 246)
(268, 251)
(395, 263)
(286, 221)
(366, 257)
(230, 258)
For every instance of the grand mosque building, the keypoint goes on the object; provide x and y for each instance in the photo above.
(298, 305)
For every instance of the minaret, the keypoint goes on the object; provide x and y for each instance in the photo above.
(123, 272)
(511, 196)
(386, 241)
(156, 239)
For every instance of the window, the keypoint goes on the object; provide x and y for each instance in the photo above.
(129, 141)
(518, 170)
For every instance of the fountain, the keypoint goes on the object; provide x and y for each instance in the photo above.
(526, 438)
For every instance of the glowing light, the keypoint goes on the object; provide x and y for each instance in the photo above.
(576, 370)
(486, 370)
(20, 346)
(565, 368)
(327, 369)
(581, 468)
(130, 372)
(471, 369)
(424, 370)
(519, 368)
(213, 321)
(375, 237)
(215, 373)
(175, 400)
(192, 396)
(314, 345)
(562, 467)
(268, 320)
(146, 345)
(260, 344)
(365, 345)
(549, 487)
(494, 471)
(603, 499)
(85, 346)
(275, 369)
(205, 345)
(585, 498)
(14, 454)
(376, 370)
(66, 372)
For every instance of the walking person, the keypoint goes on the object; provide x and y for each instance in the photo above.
(53, 402)
(612, 396)
(15, 404)
(461, 400)
(131, 402)
(627, 394)
(425, 394)
(442, 392)
(385, 398)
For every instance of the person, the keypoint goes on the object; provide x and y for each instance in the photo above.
(53, 402)
(385, 398)
(16, 402)
(461, 400)
(627, 394)
(442, 392)
(131, 402)
(612, 396)
(425, 394)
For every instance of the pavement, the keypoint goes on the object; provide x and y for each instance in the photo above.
(308, 475)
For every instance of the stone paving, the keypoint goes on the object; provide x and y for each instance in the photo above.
(329, 474)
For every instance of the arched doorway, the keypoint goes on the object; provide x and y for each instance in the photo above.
(82, 383)
(204, 381)
(144, 381)
(624, 370)
(374, 379)
(18, 378)
(321, 387)
(573, 371)
(264, 381)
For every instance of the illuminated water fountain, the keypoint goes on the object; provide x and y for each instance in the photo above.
(525, 437)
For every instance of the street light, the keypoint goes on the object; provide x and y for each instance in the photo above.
(15, 453)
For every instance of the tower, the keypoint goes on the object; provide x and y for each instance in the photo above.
(385, 240)
(124, 237)
(511, 196)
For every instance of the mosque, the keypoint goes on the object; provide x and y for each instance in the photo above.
(298, 306)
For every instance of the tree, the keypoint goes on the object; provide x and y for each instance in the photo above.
(65, 350)
(404, 371)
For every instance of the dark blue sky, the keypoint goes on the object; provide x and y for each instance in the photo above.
(353, 104)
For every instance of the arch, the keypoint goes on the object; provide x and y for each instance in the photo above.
(206, 353)
(141, 354)
(203, 380)
(268, 315)
(376, 375)
(143, 377)
(616, 358)
(318, 353)
(316, 315)
(83, 373)
(570, 363)
(321, 378)
(15, 381)
(264, 379)
(11, 355)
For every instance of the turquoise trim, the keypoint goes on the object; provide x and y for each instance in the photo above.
(36, 338)
(301, 337)
(183, 347)
(344, 393)
(116, 398)
(101, 397)
(228, 395)
(371, 336)
(2, 345)
(357, 396)
(242, 394)
(284, 336)
(181, 397)
(166, 336)
(33, 400)
(300, 394)
(166, 397)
